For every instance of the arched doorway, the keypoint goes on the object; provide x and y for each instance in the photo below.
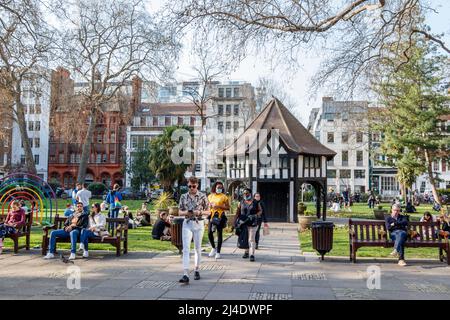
(106, 179)
(68, 180)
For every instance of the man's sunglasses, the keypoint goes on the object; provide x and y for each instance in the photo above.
(192, 186)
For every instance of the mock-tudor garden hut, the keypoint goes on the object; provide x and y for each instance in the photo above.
(274, 156)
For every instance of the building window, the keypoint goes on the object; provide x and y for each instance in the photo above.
(30, 126)
(37, 109)
(168, 121)
(113, 136)
(99, 158)
(104, 157)
(345, 158)
(345, 174)
(72, 158)
(317, 135)
(389, 184)
(99, 138)
(136, 121)
(37, 142)
(22, 159)
(330, 137)
(174, 121)
(187, 121)
(330, 162)
(360, 174)
(220, 126)
(235, 125)
(134, 141)
(359, 158)
(236, 110)
(61, 158)
(331, 174)
(220, 110)
(228, 93)
(161, 121)
(312, 162)
(37, 126)
(236, 92)
(228, 112)
(148, 121)
(359, 137)
(228, 125)
(344, 137)
(36, 159)
(112, 157)
(221, 92)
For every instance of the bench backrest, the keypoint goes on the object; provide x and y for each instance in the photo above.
(123, 222)
(28, 222)
(376, 230)
(368, 230)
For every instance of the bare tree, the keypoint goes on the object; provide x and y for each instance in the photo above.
(25, 43)
(105, 44)
(267, 88)
(355, 35)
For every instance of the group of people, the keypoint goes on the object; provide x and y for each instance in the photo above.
(195, 206)
(397, 225)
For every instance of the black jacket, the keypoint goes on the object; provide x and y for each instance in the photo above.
(262, 218)
(446, 226)
(400, 224)
(82, 223)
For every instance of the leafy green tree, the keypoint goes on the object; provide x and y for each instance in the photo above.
(161, 162)
(139, 168)
(415, 99)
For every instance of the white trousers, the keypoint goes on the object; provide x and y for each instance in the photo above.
(192, 229)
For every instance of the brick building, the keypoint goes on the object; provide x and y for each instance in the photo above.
(106, 161)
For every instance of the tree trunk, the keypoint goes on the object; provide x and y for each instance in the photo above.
(29, 159)
(86, 152)
(429, 164)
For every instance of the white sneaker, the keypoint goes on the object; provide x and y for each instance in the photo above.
(49, 256)
(217, 255)
(394, 254)
(85, 254)
(213, 252)
(81, 248)
(401, 263)
(72, 256)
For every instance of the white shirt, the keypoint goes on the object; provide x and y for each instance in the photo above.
(98, 222)
(83, 196)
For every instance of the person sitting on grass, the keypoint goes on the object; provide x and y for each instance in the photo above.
(397, 225)
(161, 229)
(68, 212)
(96, 228)
(410, 208)
(72, 228)
(14, 221)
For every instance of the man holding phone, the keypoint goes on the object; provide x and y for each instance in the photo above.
(193, 205)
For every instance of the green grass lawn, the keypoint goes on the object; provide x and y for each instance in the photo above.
(139, 239)
(362, 210)
(341, 247)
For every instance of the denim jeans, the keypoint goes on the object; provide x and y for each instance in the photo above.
(74, 234)
(85, 236)
(399, 236)
(113, 213)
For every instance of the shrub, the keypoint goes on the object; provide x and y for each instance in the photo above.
(97, 188)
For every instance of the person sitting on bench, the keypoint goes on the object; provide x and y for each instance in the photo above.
(14, 221)
(397, 225)
(72, 228)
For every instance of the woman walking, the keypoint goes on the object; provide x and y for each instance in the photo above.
(246, 223)
(261, 219)
(218, 204)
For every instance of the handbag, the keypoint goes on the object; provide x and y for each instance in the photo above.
(216, 220)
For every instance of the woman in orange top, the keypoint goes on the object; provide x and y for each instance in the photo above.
(218, 204)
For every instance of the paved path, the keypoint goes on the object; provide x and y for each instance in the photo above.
(280, 272)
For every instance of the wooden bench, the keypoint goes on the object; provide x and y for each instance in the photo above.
(24, 231)
(374, 234)
(118, 234)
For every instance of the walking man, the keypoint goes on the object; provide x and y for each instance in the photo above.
(193, 205)
(83, 196)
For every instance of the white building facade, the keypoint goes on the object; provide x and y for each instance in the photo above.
(36, 96)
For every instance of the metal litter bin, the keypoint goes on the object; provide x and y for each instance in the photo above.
(176, 231)
(322, 236)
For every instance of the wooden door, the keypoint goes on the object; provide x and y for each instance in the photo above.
(275, 197)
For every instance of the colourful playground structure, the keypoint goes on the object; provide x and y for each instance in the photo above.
(33, 190)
